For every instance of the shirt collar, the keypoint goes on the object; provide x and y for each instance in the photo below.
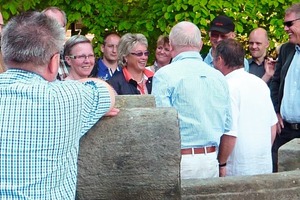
(297, 47)
(147, 74)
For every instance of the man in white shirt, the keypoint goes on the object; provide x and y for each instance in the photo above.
(254, 118)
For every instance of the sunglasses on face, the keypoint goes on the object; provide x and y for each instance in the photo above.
(290, 23)
(140, 54)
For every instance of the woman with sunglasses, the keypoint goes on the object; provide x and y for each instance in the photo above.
(79, 56)
(133, 57)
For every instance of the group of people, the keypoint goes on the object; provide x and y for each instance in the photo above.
(228, 124)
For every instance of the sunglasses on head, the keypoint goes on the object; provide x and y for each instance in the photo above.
(290, 23)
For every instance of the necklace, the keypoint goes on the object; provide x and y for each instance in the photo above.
(141, 81)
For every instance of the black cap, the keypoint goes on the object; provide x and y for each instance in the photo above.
(222, 24)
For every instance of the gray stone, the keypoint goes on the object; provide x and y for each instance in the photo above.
(281, 186)
(135, 155)
(289, 156)
(135, 101)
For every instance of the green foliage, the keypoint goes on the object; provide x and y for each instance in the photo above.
(156, 17)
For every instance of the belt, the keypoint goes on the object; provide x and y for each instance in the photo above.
(294, 126)
(200, 150)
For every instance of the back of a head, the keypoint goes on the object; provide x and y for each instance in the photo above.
(185, 35)
(232, 52)
(57, 14)
(31, 38)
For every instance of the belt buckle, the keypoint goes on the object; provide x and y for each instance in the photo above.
(295, 126)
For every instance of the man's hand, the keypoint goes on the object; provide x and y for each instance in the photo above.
(269, 69)
(113, 112)
(279, 124)
(222, 171)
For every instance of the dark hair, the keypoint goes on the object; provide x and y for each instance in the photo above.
(232, 52)
(109, 34)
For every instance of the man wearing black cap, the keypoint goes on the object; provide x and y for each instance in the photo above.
(221, 27)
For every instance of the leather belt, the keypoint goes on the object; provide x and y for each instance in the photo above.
(294, 126)
(200, 150)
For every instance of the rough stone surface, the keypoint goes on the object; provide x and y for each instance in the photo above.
(135, 101)
(281, 186)
(289, 156)
(135, 155)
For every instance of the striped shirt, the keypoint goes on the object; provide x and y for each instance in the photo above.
(41, 123)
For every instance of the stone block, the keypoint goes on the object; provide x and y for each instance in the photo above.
(135, 101)
(135, 155)
(289, 156)
(283, 186)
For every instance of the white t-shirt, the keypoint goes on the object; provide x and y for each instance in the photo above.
(253, 115)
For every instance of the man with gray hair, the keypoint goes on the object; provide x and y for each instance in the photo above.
(42, 119)
(61, 17)
(285, 84)
(200, 95)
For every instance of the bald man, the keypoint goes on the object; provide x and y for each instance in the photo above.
(259, 64)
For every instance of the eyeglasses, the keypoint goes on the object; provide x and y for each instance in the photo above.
(290, 23)
(140, 54)
(83, 57)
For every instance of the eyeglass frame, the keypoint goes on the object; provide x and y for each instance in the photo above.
(84, 57)
(140, 54)
(290, 23)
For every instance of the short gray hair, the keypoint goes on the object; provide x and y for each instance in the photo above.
(75, 39)
(126, 44)
(31, 37)
(55, 10)
(185, 34)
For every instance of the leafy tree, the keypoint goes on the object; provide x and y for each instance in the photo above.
(156, 17)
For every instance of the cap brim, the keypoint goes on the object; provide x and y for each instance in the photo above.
(219, 29)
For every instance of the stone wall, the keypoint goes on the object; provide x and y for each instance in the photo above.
(136, 155)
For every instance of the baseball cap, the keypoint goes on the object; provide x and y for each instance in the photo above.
(222, 24)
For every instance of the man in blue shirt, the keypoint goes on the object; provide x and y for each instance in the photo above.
(221, 27)
(42, 119)
(108, 65)
(200, 95)
(285, 84)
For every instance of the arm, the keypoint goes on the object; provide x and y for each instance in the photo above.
(269, 66)
(112, 111)
(273, 133)
(160, 89)
(226, 146)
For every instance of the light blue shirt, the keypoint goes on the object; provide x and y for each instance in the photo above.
(209, 60)
(290, 106)
(200, 95)
(41, 123)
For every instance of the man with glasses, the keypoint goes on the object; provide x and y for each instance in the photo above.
(285, 84)
(42, 120)
(221, 27)
(108, 65)
(61, 17)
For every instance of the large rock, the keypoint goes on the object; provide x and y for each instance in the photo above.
(135, 155)
(281, 186)
(289, 156)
